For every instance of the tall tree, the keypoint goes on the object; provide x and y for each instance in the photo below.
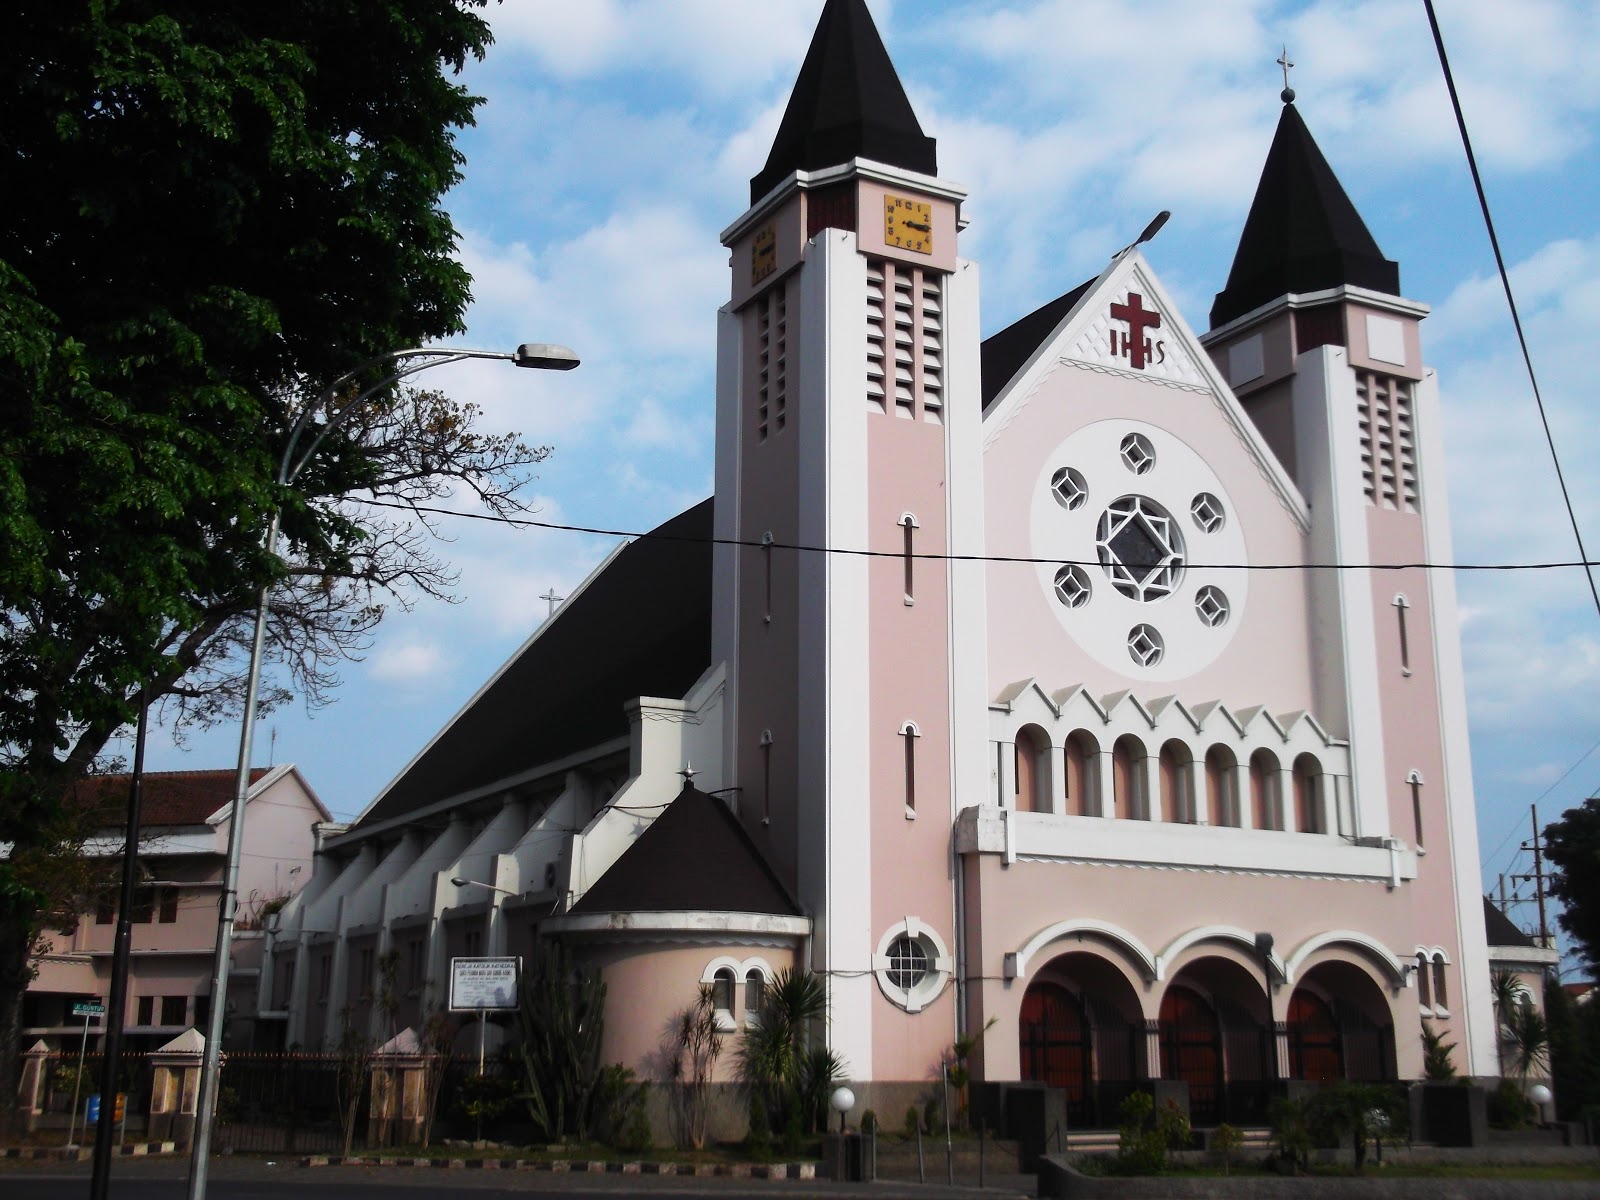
(1572, 844)
(215, 208)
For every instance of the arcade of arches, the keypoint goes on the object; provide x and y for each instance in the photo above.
(1082, 1029)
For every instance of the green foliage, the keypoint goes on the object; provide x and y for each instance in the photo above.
(697, 1044)
(1437, 1064)
(621, 1107)
(932, 1113)
(1526, 1034)
(913, 1121)
(758, 1139)
(1147, 1133)
(1572, 848)
(482, 1098)
(1574, 1051)
(560, 1024)
(1363, 1112)
(869, 1121)
(1509, 1108)
(773, 1062)
(1292, 1140)
(794, 1133)
(1225, 1144)
(958, 1070)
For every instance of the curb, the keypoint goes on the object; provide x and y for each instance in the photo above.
(85, 1153)
(802, 1170)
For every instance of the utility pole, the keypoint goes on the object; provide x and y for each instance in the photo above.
(1537, 877)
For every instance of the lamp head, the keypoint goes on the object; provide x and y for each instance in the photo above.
(842, 1100)
(459, 882)
(545, 356)
(1153, 228)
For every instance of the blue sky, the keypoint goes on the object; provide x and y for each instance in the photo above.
(618, 138)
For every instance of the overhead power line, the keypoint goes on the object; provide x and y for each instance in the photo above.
(1511, 300)
(925, 556)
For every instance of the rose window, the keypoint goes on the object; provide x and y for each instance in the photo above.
(1140, 548)
(1070, 489)
(1072, 586)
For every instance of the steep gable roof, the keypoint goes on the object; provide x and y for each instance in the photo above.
(1303, 234)
(640, 627)
(695, 857)
(1005, 353)
(847, 103)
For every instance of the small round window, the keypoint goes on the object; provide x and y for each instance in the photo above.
(1070, 488)
(1138, 455)
(908, 963)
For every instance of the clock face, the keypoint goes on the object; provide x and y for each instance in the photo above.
(908, 224)
(764, 253)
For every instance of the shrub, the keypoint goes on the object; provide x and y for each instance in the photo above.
(794, 1132)
(869, 1122)
(1509, 1108)
(1437, 1064)
(758, 1140)
(1147, 1133)
(1291, 1133)
(1363, 1111)
(913, 1124)
(1225, 1143)
(931, 1114)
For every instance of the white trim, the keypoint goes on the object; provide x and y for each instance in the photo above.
(1214, 933)
(940, 965)
(1361, 295)
(1115, 934)
(1347, 937)
(1481, 1033)
(726, 517)
(757, 925)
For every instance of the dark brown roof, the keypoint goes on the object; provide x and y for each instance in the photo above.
(1303, 234)
(696, 857)
(847, 103)
(1500, 928)
(170, 797)
(1005, 353)
(642, 627)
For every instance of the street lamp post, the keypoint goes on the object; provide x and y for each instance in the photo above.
(401, 364)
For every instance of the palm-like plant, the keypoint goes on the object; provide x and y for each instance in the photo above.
(1528, 1038)
(1507, 992)
(773, 1064)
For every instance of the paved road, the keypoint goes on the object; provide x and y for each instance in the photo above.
(254, 1180)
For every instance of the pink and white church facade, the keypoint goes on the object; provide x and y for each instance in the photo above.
(1038, 682)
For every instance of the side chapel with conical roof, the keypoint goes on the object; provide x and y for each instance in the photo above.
(961, 691)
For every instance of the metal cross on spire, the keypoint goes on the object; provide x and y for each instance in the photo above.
(688, 773)
(552, 600)
(1283, 61)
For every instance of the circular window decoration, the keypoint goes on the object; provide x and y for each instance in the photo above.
(912, 965)
(1070, 488)
(1208, 513)
(908, 963)
(1138, 455)
(1140, 548)
(1145, 645)
(1211, 603)
(1073, 587)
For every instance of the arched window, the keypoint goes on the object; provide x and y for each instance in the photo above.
(1033, 770)
(1265, 811)
(755, 992)
(1082, 755)
(1177, 803)
(1414, 783)
(1308, 795)
(1424, 983)
(722, 985)
(1222, 793)
(1127, 778)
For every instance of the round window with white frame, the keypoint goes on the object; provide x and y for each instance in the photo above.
(912, 965)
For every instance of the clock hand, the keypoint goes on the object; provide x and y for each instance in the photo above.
(919, 227)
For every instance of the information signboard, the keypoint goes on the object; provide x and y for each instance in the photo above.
(483, 984)
(88, 1010)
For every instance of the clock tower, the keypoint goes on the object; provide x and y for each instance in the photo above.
(848, 471)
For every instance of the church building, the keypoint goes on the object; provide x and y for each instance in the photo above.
(1039, 683)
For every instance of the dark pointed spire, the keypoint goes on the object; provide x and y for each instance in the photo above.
(847, 103)
(1302, 234)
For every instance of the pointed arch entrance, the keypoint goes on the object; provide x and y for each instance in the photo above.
(1080, 1030)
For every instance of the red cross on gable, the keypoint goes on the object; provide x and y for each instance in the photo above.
(1133, 345)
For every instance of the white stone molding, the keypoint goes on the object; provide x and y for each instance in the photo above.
(940, 965)
(1214, 933)
(1370, 946)
(1105, 931)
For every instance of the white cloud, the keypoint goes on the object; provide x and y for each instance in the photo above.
(409, 664)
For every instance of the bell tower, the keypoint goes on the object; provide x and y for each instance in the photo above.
(1325, 355)
(848, 439)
